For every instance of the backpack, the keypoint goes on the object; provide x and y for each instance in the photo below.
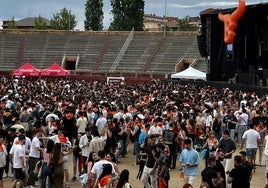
(168, 136)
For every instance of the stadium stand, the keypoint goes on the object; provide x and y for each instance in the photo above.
(146, 53)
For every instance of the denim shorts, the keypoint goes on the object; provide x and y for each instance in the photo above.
(251, 152)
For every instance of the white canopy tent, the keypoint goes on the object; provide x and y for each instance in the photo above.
(190, 73)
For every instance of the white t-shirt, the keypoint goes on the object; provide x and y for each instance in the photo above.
(155, 130)
(56, 139)
(266, 146)
(81, 124)
(98, 166)
(17, 151)
(33, 151)
(3, 156)
(209, 121)
(84, 145)
(251, 136)
(26, 146)
(100, 123)
(95, 144)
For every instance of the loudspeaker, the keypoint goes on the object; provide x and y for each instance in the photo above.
(251, 69)
(265, 73)
(246, 78)
(229, 52)
(202, 46)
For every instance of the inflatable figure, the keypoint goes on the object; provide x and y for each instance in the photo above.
(230, 21)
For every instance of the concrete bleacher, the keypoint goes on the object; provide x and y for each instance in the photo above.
(174, 48)
(148, 52)
(139, 51)
(112, 49)
(9, 51)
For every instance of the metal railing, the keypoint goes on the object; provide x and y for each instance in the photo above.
(122, 51)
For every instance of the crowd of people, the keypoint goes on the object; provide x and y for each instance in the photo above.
(45, 121)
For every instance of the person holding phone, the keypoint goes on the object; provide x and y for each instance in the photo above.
(189, 161)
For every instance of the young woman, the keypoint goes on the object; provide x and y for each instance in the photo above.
(93, 157)
(190, 126)
(77, 157)
(143, 154)
(111, 157)
(205, 135)
(56, 161)
(217, 125)
(211, 144)
(123, 181)
(105, 180)
(46, 155)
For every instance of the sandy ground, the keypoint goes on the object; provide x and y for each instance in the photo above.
(258, 180)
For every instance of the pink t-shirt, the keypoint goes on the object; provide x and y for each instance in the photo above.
(46, 155)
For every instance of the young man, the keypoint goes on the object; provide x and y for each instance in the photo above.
(26, 147)
(81, 123)
(189, 161)
(245, 163)
(242, 123)
(252, 138)
(98, 166)
(170, 137)
(239, 176)
(34, 157)
(219, 156)
(18, 159)
(150, 165)
(227, 147)
(9, 141)
(163, 171)
(136, 133)
(84, 145)
(209, 174)
(230, 120)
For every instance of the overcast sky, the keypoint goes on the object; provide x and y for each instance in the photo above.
(20, 9)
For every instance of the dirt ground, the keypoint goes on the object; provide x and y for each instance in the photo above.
(258, 179)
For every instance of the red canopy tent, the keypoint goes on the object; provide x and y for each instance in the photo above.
(55, 70)
(26, 70)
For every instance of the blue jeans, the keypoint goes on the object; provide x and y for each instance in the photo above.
(120, 149)
(266, 169)
(43, 178)
(232, 134)
(241, 129)
(75, 161)
(137, 150)
(218, 135)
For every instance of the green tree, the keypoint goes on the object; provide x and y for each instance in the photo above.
(94, 15)
(40, 23)
(127, 14)
(64, 20)
(12, 24)
(184, 25)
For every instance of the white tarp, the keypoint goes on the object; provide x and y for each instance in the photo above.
(190, 73)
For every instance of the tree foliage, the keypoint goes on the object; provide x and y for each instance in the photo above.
(127, 14)
(63, 20)
(12, 24)
(94, 15)
(185, 25)
(40, 23)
